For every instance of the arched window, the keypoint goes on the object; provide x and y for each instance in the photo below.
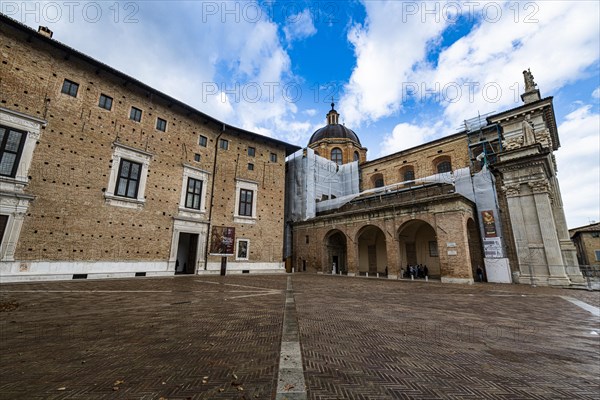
(377, 180)
(336, 156)
(409, 175)
(356, 156)
(444, 166)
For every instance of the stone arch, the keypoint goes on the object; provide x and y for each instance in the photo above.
(377, 180)
(417, 241)
(336, 252)
(407, 174)
(372, 251)
(475, 248)
(337, 156)
(442, 164)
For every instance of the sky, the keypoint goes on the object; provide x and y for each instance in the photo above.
(401, 73)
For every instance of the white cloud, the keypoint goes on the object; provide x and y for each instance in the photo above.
(596, 93)
(311, 112)
(578, 162)
(392, 55)
(299, 26)
(404, 136)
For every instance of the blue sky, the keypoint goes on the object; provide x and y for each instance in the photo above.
(401, 73)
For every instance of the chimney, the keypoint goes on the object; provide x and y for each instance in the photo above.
(45, 31)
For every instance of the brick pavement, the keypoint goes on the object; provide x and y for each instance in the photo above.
(148, 338)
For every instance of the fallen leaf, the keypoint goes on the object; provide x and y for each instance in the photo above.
(289, 386)
(241, 389)
(62, 388)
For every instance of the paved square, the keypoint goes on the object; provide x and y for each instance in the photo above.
(202, 337)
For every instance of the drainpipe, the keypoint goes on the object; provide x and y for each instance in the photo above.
(212, 197)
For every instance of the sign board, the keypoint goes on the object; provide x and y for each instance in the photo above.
(492, 247)
(222, 241)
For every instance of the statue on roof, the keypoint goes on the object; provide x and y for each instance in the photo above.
(529, 82)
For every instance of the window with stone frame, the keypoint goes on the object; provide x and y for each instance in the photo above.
(12, 142)
(128, 180)
(245, 203)
(161, 124)
(3, 224)
(273, 157)
(336, 156)
(224, 144)
(203, 141)
(251, 151)
(443, 167)
(356, 156)
(193, 198)
(242, 251)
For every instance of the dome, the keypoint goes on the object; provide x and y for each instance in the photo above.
(333, 131)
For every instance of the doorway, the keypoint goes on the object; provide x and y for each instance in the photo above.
(187, 250)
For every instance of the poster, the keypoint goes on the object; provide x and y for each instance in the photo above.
(222, 240)
(492, 248)
(489, 223)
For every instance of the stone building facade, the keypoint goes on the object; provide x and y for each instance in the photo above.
(486, 197)
(103, 176)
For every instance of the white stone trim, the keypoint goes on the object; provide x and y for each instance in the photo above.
(201, 175)
(247, 185)
(122, 151)
(21, 271)
(237, 267)
(237, 246)
(181, 225)
(14, 203)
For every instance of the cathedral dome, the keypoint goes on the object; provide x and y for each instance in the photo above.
(333, 130)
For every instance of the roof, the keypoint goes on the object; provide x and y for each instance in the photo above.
(71, 52)
(333, 131)
(594, 227)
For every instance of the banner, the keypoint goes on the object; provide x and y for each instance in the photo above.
(489, 223)
(222, 241)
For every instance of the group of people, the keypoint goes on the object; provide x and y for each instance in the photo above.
(416, 271)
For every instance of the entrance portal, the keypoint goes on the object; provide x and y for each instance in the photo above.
(372, 253)
(418, 246)
(187, 250)
(336, 253)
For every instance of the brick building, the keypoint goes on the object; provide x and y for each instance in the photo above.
(587, 241)
(103, 176)
(486, 197)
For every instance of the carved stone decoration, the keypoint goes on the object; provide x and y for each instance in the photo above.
(544, 138)
(512, 143)
(528, 132)
(511, 190)
(540, 186)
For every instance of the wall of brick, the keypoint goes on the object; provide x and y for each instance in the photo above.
(69, 218)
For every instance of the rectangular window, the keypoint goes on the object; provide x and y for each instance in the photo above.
(245, 208)
(105, 102)
(250, 167)
(194, 194)
(197, 157)
(203, 141)
(273, 157)
(129, 179)
(242, 249)
(70, 88)
(251, 151)
(3, 223)
(306, 239)
(161, 124)
(11, 148)
(224, 144)
(135, 114)
(597, 255)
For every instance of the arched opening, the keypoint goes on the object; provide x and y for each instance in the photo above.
(335, 242)
(356, 156)
(377, 181)
(407, 175)
(442, 164)
(419, 247)
(475, 250)
(336, 156)
(372, 251)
